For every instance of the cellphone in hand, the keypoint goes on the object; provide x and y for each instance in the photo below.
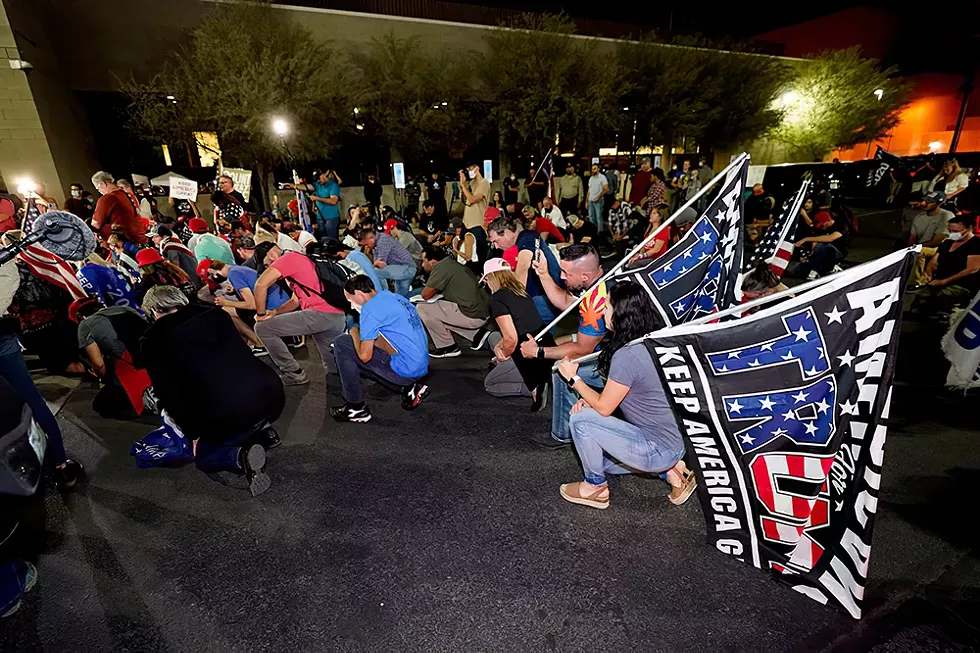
(537, 250)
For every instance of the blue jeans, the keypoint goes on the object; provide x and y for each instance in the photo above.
(327, 227)
(401, 273)
(609, 445)
(595, 213)
(562, 399)
(14, 370)
(545, 309)
(823, 258)
(350, 368)
(220, 456)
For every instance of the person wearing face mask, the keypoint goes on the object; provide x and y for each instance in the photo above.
(476, 194)
(115, 212)
(390, 346)
(512, 187)
(952, 277)
(76, 204)
(373, 190)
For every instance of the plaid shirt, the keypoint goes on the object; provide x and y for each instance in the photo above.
(656, 195)
(391, 251)
(619, 219)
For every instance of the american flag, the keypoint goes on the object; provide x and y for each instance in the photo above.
(697, 276)
(53, 269)
(547, 168)
(776, 247)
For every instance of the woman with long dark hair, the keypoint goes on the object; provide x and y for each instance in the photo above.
(646, 439)
(155, 271)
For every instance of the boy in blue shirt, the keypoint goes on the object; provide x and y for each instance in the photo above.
(390, 346)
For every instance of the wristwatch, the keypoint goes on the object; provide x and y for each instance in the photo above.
(571, 381)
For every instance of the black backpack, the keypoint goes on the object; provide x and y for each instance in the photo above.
(332, 278)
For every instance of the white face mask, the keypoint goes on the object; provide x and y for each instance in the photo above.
(471, 174)
(955, 235)
(513, 176)
(76, 193)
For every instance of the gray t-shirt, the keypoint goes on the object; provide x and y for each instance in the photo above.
(98, 329)
(646, 404)
(926, 226)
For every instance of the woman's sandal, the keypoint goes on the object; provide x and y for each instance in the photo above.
(572, 492)
(688, 487)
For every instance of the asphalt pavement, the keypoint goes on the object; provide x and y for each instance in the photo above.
(443, 530)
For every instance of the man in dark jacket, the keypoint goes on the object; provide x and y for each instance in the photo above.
(230, 407)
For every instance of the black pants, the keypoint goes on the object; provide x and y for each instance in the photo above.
(535, 371)
(568, 207)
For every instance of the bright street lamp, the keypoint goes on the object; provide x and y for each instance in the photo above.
(26, 186)
(280, 127)
(878, 93)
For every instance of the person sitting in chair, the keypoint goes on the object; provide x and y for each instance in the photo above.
(214, 390)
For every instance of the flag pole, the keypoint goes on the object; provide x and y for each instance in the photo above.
(741, 308)
(714, 180)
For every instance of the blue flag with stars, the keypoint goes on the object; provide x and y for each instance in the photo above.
(784, 416)
(698, 275)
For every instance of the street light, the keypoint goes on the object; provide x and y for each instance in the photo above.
(280, 127)
(26, 186)
(879, 92)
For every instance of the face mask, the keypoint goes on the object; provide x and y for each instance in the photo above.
(513, 176)
(955, 235)
(76, 193)
(356, 307)
(471, 174)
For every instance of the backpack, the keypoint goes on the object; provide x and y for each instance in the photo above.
(332, 278)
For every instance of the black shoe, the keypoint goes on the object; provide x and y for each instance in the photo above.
(480, 337)
(351, 413)
(540, 401)
(67, 477)
(545, 441)
(252, 462)
(414, 396)
(446, 352)
(270, 439)
(258, 352)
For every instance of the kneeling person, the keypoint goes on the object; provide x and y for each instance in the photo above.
(463, 307)
(390, 346)
(230, 409)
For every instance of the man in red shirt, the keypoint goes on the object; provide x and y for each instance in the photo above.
(545, 227)
(315, 316)
(115, 211)
(641, 182)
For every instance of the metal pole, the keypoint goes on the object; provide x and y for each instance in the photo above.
(714, 180)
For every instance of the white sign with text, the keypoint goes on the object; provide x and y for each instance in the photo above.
(183, 189)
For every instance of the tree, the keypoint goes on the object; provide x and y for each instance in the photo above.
(720, 98)
(245, 65)
(545, 83)
(420, 101)
(833, 102)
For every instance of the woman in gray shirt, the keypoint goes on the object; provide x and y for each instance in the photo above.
(647, 438)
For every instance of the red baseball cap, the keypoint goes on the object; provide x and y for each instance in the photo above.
(198, 225)
(389, 224)
(147, 256)
(202, 268)
(491, 214)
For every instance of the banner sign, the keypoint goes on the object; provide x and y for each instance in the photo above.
(183, 189)
(962, 348)
(884, 161)
(699, 273)
(784, 416)
(399, 175)
(242, 179)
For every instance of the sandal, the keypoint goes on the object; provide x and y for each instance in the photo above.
(572, 492)
(687, 488)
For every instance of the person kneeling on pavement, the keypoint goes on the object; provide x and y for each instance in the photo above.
(953, 274)
(463, 308)
(646, 437)
(390, 346)
(580, 270)
(211, 386)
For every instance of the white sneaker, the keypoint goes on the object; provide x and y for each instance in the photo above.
(813, 275)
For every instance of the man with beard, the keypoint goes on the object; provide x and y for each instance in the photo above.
(580, 269)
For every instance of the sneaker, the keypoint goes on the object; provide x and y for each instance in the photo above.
(414, 396)
(610, 254)
(813, 275)
(452, 351)
(258, 352)
(294, 378)
(30, 578)
(252, 462)
(546, 441)
(351, 413)
(67, 477)
(298, 342)
(480, 338)
(837, 269)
